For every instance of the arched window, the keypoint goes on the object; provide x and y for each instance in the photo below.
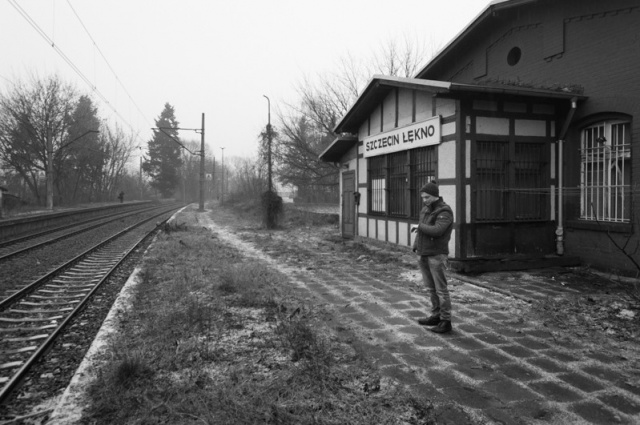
(605, 172)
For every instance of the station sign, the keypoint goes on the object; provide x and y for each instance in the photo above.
(424, 133)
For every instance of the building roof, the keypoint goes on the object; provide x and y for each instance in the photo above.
(380, 86)
(373, 94)
(483, 19)
(338, 148)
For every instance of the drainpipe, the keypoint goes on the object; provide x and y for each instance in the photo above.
(563, 133)
(560, 229)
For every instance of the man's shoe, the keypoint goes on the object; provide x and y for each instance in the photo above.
(429, 321)
(443, 327)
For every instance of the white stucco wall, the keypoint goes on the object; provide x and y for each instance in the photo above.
(447, 160)
(491, 125)
(388, 229)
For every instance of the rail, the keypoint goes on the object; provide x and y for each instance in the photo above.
(35, 316)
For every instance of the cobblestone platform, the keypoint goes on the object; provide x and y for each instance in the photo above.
(495, 365)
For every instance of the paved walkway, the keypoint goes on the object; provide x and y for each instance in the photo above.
(500, 367)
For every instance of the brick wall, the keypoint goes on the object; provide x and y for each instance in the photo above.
(590, 44)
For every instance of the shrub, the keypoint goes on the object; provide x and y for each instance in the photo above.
(272, 209)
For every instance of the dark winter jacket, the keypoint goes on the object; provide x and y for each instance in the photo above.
(434, 229)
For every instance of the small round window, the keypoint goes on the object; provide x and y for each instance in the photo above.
(514, 56)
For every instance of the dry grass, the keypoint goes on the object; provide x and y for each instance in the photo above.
(217, 339)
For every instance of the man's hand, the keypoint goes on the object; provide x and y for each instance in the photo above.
(414, 228)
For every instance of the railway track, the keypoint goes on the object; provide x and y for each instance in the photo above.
(23, 244)
(33, 317)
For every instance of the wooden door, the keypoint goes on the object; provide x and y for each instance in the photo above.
(348, 204)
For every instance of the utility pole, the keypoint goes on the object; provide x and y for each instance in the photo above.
(201, 153)
(202, 176)
(49, 175)
(140, 173)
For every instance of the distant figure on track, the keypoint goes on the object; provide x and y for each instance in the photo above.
(121, 197)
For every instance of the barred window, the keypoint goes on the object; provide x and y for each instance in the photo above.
(530, 193)
(377, 184)
(605, 172)
(398, 183)
(491, 180)
(395, 180)
(511, 186)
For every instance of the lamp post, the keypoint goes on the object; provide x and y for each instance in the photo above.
(140, 177)
(212, 188)
(222, 178)
(269, 143)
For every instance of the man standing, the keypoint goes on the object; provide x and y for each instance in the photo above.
(432, 245)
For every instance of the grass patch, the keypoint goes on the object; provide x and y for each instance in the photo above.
(215, 338)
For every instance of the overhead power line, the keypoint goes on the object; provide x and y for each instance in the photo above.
(73, 66)
(106, 61)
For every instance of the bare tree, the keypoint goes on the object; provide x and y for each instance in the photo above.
(248, 177)
(118, 148)
(401, 59)
(306, 129)
(33, 125)
(297, 157)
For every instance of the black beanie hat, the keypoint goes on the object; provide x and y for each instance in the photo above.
(431, 188)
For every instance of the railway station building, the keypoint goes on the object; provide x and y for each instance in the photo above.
(526, 120)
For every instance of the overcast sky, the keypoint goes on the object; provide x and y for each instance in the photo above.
(208, 56)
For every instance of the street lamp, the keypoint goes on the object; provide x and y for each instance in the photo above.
(222, 178)
(269, 142)
(140, 177)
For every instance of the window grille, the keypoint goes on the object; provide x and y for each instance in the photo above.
(530, 191)
(394, 177)
(492, 181)
(423, 170)
(377, 186)
(398, 183)
(511, 187)
(605, 177)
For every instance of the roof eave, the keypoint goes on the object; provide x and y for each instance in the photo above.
(338, 148)
(391, 82)
(516, 91)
